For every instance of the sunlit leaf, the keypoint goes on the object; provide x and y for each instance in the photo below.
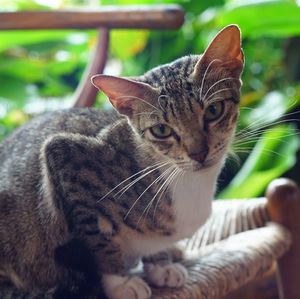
(17, 38)
(14, 91)
(268, 110)
(127, 43)
(262, 17)
(273, 155)
(15, 118)
(28, 70)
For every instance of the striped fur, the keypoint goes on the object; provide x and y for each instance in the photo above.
(84, 194)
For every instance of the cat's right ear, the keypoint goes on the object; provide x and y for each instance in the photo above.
(225, 50)
(126, 95)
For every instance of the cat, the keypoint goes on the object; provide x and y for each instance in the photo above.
(84, 194)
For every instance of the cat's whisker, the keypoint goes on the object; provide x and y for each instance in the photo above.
(140, 99)
(234, 157)
(219, 81)
(165, 183)
(170, 180)
(148, 114)
(254, 138)
(261, 123)
(216, 92)
(185, 164)
(260, 129)
(204, 76)
(265, 150)
(160, 98)
(156, 194)
(162, 192)
(139, 172)
(155, 181)
(127, 187)
(132, 176)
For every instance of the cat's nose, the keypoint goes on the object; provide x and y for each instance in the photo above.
(200, 156)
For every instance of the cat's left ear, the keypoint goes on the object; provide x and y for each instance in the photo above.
(127, 96)
(224, 50)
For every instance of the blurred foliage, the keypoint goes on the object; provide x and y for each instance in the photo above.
(39, 70)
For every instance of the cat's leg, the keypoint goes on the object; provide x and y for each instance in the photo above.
(173, 275)
(109, 260)
(75, 181)
(100, 237)
(125, 287)
(164, 269)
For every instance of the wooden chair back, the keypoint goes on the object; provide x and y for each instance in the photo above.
(104, 19)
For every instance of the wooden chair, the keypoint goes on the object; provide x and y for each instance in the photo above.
(106, 18)
(235, 255)
(244, 248)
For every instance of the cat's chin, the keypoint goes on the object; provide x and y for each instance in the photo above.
(203, 166)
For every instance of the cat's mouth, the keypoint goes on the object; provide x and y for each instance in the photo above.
(195, 167)
(202, 166)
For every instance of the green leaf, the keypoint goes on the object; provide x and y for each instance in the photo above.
(28, 70)
(13, 92)
(18, 38)
(10, 5)
(273, 155)
(128, 43)
(270, 108)
(276, 18)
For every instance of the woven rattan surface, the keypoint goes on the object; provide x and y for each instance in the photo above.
(248, 250)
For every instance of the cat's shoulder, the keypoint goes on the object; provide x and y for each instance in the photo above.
(30, 136)
(84, 121)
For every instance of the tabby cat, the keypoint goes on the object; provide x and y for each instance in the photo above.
(84, 194)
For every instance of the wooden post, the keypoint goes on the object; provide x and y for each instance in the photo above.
(86, 93)
(284, 208)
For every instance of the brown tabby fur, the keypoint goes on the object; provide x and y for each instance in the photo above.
(58, 173)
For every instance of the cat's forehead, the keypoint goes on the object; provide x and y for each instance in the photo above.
(172, 73)
(174, 80)
(180, 91)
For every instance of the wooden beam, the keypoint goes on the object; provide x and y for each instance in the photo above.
(86, 93)
(146, 17)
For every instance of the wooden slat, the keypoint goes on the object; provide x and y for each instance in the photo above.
(147, 17)
(86, 93)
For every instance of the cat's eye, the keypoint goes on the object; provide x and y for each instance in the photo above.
(161, 131)
(214, 111)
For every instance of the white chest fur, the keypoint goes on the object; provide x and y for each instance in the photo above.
(192, 198)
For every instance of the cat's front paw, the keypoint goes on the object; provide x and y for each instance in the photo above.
(172, 275)
(124, 287)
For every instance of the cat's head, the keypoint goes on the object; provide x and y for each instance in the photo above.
(188, 109)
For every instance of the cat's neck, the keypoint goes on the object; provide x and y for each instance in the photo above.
(192, 195)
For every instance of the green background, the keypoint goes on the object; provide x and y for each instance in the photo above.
(39, 71)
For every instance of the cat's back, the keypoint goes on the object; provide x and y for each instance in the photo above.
(20, 152)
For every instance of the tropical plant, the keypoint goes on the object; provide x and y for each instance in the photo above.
(40, 70)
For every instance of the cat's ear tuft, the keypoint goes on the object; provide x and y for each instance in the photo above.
(125, 95)
(225, 49)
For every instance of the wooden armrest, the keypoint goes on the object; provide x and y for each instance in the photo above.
(147, 17)
(284, 208)
(230, 264)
